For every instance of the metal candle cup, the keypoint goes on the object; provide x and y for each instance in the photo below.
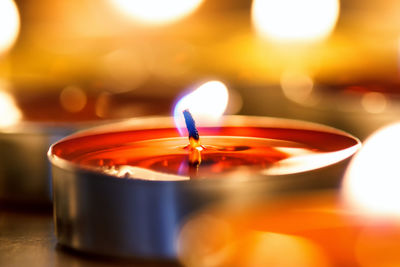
(24, 170)
(125, 189)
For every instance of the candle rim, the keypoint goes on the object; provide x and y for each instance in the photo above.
(167, 122)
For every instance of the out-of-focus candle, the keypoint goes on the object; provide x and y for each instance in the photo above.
(31, 121)
(312, 230)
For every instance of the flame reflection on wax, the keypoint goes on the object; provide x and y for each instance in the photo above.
(9, 24)
(294, 20)
(372, 181)
(126, 171)
(9, 112)
(156, 11)
(207, 104)
(302, 160)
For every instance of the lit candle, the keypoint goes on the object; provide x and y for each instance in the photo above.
(245, 145)
(124, 189)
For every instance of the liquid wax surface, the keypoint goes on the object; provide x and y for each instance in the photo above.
(143, 155)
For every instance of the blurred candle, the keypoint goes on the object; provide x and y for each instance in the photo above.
(30, 121)
(304, 230)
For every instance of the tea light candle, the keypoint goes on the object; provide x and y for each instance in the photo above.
(124, 189)
(311, 230)
(31, 122)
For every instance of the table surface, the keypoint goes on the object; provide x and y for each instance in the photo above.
(27, 239)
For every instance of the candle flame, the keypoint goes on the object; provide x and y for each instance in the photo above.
(295, 20)
(207, 104)
(156, 11)
(372, 181)
(9, 24)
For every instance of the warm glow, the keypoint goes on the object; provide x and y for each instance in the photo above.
(295, 20)
(209, 241)
(207, 103)
(372, 181)
(156, 11)
(9, 24)
(9, 112)
(267, 247)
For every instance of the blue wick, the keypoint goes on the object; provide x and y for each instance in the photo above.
(191, 125)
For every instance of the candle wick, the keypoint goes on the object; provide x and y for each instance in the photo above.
(194, 139)
(191, 126)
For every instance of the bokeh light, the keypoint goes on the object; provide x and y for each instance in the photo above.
(9, 24)
(374, 102)
(295, 20)
(372, 180)
(73, 99)
(207, 104)
(10, 114)
(156, 11)
(297, 86)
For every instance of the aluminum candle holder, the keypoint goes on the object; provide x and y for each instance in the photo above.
(125, 189)
(24, 170)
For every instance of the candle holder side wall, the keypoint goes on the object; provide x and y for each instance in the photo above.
(24, 170)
